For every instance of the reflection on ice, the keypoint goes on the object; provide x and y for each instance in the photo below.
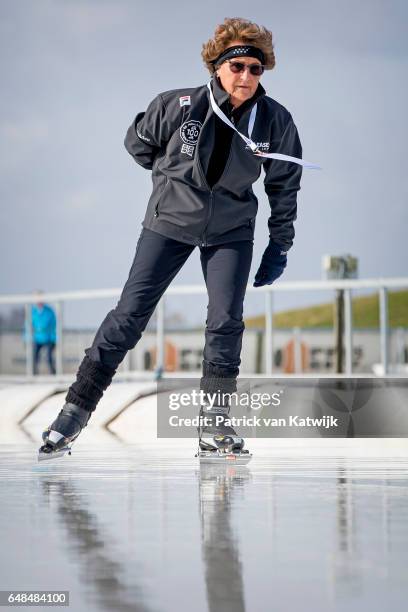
(89, 546)
(218, 486)
(137, 528)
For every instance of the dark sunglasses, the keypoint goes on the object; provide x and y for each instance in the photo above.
(255, 69)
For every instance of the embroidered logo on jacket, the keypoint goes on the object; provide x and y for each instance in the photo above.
(185, 101)
(263, 146)
(142, 137)
(189, 133)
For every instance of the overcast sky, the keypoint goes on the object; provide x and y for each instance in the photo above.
(75, 73)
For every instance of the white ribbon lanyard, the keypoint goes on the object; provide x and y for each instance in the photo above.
(251, 144)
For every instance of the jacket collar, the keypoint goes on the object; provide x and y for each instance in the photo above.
(221, 96)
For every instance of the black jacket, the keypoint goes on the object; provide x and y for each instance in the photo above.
(175, 139)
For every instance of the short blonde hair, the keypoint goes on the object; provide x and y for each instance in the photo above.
(236, 28)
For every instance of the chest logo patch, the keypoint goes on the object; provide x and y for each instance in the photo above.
(190, 131)
(185, 101)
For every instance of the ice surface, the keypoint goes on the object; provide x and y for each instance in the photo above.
(142, 527)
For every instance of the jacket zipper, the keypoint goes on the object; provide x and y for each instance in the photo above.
(211, 191)
(203, 236)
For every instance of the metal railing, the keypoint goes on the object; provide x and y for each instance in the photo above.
(382, 285)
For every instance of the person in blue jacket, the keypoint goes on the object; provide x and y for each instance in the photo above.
(43, 324)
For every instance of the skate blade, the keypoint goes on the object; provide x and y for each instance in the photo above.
(224, 458)
(54, 454)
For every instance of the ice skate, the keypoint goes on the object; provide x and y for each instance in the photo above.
(61, 434)
(218, 441)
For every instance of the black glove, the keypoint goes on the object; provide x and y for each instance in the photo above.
(273, 263)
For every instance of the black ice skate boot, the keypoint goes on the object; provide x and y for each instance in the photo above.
(218, 441)
(60, 435)
(92, 380)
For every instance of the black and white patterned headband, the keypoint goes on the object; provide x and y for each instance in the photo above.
(239, 51)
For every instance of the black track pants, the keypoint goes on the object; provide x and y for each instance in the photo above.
(157, 261)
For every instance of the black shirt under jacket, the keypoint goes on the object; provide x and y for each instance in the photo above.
(223, 133)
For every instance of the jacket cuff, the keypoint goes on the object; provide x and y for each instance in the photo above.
(276, 248)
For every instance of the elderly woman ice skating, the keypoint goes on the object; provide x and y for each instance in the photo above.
(205, 146)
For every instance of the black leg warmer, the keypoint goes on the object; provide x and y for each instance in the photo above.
(92, 380)
(217, 379)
